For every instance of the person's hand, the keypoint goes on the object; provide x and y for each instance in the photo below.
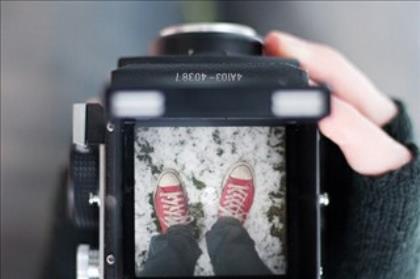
(358, 109)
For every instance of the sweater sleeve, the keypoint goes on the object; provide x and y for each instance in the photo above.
(382, 232)
(400, 127)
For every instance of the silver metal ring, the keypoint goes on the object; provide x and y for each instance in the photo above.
(110, 127)
(110, 259)
(204, 27)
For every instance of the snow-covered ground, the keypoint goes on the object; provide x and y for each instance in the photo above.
(202, 155)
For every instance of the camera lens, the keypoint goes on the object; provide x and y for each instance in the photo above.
(208, 39)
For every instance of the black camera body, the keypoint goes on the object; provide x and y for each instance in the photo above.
(202, 75)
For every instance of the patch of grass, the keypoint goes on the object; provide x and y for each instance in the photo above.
(143, 256)
(275, 195)
(144, 155)
(144, 152)
(273, 212)
(146, 148)
(155, 169)
(145, 158)
(279, 213)
(283, 183)
(276, 139)
(197, 212)
(275, 144)
(153, 215)
(198, 183)
(277, 131)
(280, 150)
(216, 137)
(150, 200)
(279, 167)
(276, 232)
(233, 148)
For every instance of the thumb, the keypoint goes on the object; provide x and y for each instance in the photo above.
(286, 45)
(367, 148)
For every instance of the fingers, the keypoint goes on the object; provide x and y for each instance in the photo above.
(326, 65)
(358, 110)
(367, 148)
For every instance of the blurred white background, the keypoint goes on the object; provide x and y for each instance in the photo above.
(56, 53)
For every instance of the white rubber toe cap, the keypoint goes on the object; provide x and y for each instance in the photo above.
(169, 179)
(242, 171)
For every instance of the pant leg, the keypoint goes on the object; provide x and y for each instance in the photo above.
(172, 254)
(232, 251)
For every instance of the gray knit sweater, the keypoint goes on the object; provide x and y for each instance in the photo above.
(376, 220)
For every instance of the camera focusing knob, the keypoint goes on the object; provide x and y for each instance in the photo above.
(83, 186)
(83, 181)
(209, 27)
(208, 39)
(87, 261)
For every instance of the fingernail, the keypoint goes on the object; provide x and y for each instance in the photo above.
(271, 44)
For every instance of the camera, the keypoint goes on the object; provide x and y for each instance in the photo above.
(206, 99)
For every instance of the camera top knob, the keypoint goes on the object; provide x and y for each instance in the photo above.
(206, 27)
(208, 39)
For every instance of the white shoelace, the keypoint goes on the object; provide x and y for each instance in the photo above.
(236, 195)
(174, 209)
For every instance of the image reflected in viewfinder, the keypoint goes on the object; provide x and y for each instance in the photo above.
(209, 164)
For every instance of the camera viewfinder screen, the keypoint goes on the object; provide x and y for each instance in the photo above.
(222, 189)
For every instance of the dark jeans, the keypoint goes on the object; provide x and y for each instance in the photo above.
(231, 250)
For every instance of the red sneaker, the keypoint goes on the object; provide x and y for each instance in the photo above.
(171, 201)
(238, 192)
